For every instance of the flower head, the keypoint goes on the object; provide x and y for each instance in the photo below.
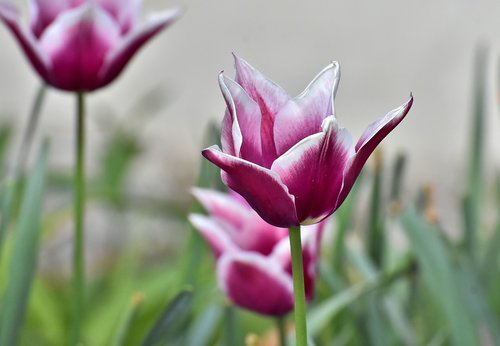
(82, 45)
(288, 157)
(252, 256)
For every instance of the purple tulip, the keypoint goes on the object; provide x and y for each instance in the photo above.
(288, 157)
(253, 257)
(82, 45)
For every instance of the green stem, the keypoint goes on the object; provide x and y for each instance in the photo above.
(79, 205)
(280, 321)
(29, 132)
(298, 287)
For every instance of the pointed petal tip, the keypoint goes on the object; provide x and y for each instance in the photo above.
(333, 65)
(196, 191)
(209, 152)
(167, 16)
(222, 79)
(410, 101)
(404, 108)
(329, 123)
(237, 58)
(8, 11)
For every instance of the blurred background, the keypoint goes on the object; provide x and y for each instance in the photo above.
(146, 131)
(169, 93)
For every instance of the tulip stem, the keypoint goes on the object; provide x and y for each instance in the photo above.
(298, 287)
(280, 321)
(79, 212)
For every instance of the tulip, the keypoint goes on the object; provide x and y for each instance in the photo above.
(253, 257)
(288, 156)
(82, 45)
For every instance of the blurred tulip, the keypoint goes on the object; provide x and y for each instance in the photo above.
(288, 157)
(82, 45)
(253, 258)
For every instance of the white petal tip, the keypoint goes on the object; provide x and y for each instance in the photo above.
(329, 123)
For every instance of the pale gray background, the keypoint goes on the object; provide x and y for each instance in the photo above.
(386, 49)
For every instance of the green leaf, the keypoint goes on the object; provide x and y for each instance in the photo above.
(6, 203)
(472, 200)
(5, 132)
(440, 278)
(208, 177)
(118, 158)
(170, 320)
(344, 217)
(205, 326)
(375, 236)
(23, 261)
(128, 320)
(397, 177)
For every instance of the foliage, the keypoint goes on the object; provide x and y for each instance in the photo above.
(433, 292)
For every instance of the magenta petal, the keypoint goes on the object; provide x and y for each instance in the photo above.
(269, 96)
(214, 234)
(256, 283)
(223, 206)
(265, 92)
(260, 187)
(10, 16)
(313, 170)
(241, 124)
(77, 43)
(125, 12)
(118, 58)
(303, 115)
(367, 143)
(43, 12)
(240, 222)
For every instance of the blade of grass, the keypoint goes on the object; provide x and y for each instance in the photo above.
(231, 327)
(170, 320)
(375, 238)
(319, 316)
(397, 178)
(7, 198)
(209, 177)
(128, 320)
(475, 296)
(472, 200)
(344, 217)
(205, 326)
(23, 262)
(438, 274)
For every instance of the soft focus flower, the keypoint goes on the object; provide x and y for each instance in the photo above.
(82, 45)
(288, 157)
(253, 258)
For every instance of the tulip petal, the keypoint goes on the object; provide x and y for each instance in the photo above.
(118, 58)
(240, 222)
(125, 12)
(43, 12)
(260, 187)
(256, 283)
(269, 96)
(223, 206)
(367, 143)
(303, 115)
(77, 43)
(265, 92)
(241, 124)
(213, 232)
(10, 16)
(312, 170)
